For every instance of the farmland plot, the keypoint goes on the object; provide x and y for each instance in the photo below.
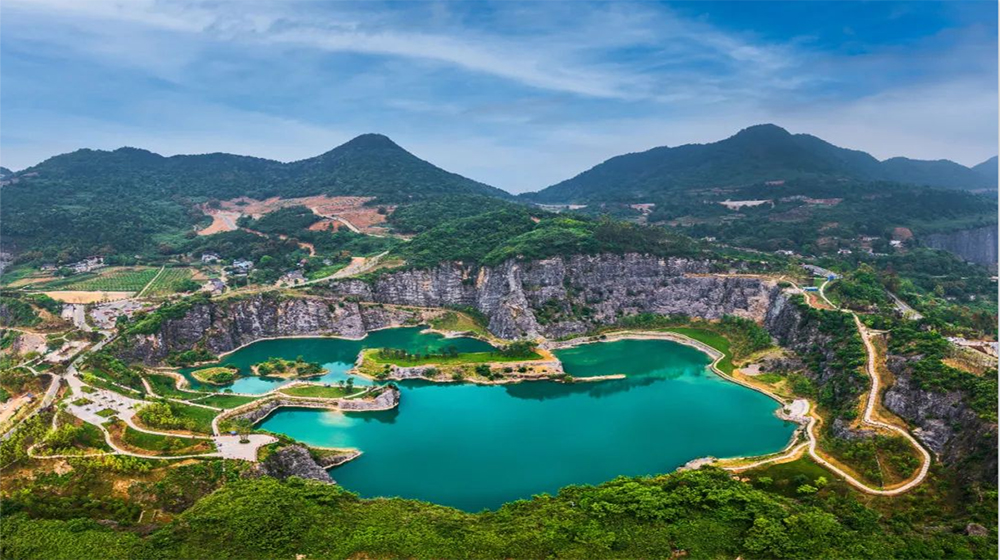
(167, 282)
(115, 279)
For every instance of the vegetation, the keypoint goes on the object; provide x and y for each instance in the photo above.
(171, 415)
(280, 367)
(449, 355)
(215, 375)
(172, 280)
(704, 513)
(495, 236)
(107, 280)
(861, 289)
(317, 391)
(22, 310)
(60, 208)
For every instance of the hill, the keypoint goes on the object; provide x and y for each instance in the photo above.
(988, 170)
(131, 200)
(756, 154)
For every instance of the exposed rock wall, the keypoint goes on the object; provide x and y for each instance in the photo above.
(223, 325)
(796, 329)
(568, 295)
(293, 460)
(945, 423)
(977, 245)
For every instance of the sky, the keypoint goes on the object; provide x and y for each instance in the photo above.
(514, 94)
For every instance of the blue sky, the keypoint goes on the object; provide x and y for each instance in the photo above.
(518, 95)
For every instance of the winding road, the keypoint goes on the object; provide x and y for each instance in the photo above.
(866, 419)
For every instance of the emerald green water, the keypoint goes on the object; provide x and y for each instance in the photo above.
(475, 447)
(336, 354)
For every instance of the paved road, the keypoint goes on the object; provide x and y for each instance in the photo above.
(907, 311)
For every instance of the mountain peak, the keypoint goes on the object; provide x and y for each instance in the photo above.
(371, 141)
(763, 131)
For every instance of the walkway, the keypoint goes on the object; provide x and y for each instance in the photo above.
(866, 419)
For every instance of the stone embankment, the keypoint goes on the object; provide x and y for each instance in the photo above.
(254, 412)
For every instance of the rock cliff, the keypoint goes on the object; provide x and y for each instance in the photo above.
(944, 422)
(569, 295)
(977, 245)
(293, 460)
(223, 325)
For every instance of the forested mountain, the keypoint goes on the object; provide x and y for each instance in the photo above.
(4, 172)
(130, 200)
(988, 169)
(756, 154)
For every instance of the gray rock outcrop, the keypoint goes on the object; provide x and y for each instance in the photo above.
(294, 460)
(977, 245)
(569, 295)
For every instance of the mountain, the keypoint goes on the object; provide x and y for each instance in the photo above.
(756, 154)
(133, 200)
(369, 165)
(988, 170)
(4, 172)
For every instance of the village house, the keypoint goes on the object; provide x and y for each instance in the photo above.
(214, 286)
(293, 278)
(209, 258)
(87, 264)
(242, 266)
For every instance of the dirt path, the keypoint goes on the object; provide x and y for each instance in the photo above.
(150, 283)
(866, 419)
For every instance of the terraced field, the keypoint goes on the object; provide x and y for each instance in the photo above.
(114, 279)
(167, 282)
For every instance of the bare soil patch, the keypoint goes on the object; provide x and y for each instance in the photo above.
(87, 297)
(352, 209)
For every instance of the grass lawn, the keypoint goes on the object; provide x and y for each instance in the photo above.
(162, 445)
(325, 271)
(215, 375)
(164, 386)
(332, 392)
(459, 359)
(226, 401)
(201, 416)
(713, 339)
(82, 402)
(106, 413)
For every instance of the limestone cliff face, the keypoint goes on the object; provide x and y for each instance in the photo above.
(567, 295)
(223, 325)
(977, 245)
(945, 423)
(797, 329)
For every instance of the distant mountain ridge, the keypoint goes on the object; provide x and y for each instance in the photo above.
(756, 154)
(368, 165)
(131, 200)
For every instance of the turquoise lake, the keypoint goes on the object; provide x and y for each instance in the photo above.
(475, 447)
(336, 354)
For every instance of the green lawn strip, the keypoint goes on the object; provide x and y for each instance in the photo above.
(165, 445)
(226, 401)
(101, 383)
(458, 359)
(201, 416)
(166, 386)
(106, 413)
(320, 391)
(325, 271)
(713, 339)
(215, 375)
